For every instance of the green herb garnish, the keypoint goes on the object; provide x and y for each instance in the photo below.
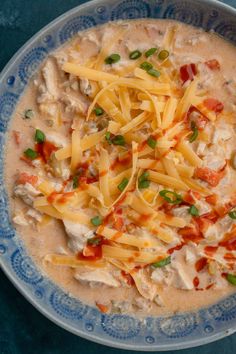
(95, 241)
(29, 114)
(194, 135)
(150, 52)
(75, 182)
(171, 197)
(163, 54)
(98, 111)
(162, 263)
(108, 137)
(153, 72)
(143, 181)
(123, 184)
(135, 55)
(232, 214)
(39, 136)
(96, 221)
(193, 211)
(118, 140)
(151, 142)
(146, 66)
(31, 154)
(231, 279)
(112, 59)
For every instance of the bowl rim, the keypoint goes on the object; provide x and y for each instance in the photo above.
(19, 285)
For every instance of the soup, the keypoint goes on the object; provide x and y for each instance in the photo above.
(120, 167)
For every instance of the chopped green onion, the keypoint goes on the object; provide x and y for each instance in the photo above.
(151, 142)
(108, 137)
(98, 111)
(75, 182)
(96, 241)
(162, 263)
(231, 279)
(96, 221)
(154, 72)
(150, 52)
(112, 59)
(118, 140)
(170, 197)
(31, 154)
(232, 214)
(143, 181)
(146, 66)
(193, 211)
(123, 184)
(135, 55)
(39, 136)
(28, 114)
(193, 136)
(163, 54)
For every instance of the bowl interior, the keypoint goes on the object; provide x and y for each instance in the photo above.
(162, 333)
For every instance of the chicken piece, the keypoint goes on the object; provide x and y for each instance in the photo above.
(97, 277)
(26, 192)
(78, 235)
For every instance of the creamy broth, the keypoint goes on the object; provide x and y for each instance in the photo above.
(45, 237)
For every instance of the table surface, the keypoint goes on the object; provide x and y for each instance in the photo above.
(23, 329)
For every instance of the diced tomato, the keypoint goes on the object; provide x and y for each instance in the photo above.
(213, 64)
(24, 178)
(187, 72)
(45, 150)
(224, 209)
(211, 199)
(190, 197)
(203, 223)
(92, 252)
(191, 233)
(212, 216)
(229, 240)
(196, 282)
(16, 136)
(213, 105)
(176, 248)
(210, 250)
(200, 264)
(27, 161)
(210, 176)
(128, 279)
(102, 308)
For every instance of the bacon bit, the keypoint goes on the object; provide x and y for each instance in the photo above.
(102, 308)
(91, 252)
(229, 241)
(191, 233)
(224, 209)
(28, 161)
(200, 264)
(212, 199)
(211, 216)
(24, 178)
(176, 248)
(190, 197)
(210, 176)
(196, 282)
(213, 64)
(187, 72)
(45, 150)
(127, 277)
(229, 257)
(213, 105)
(16, 136)
(210, 250)
(203, 223)
(209, 286)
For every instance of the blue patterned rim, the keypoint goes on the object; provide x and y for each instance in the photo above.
(160, 333)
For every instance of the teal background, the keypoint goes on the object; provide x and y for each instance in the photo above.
(23, 330)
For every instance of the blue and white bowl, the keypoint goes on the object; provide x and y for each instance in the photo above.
(161, 333)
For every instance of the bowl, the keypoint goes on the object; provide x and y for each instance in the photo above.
(116, 330)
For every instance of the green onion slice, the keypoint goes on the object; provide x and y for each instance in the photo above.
(135, 55)
(112, 59)
(150, 52)
(143, 181)
(96, 241)
(96, 221)
(164, 54)
(194, 135)
(123, 184)
(193, 211)
(154, 72)
(98, 111)
(171, 197)
(108, 137)
(232, 214)
(162, 263)
(146, 66)
(39, 136)
(151, 142)
(118, 140)
(231, 279)
(31, 154)
(75, 182)
(29, 114)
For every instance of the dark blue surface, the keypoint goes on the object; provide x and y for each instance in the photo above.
(23, 329)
